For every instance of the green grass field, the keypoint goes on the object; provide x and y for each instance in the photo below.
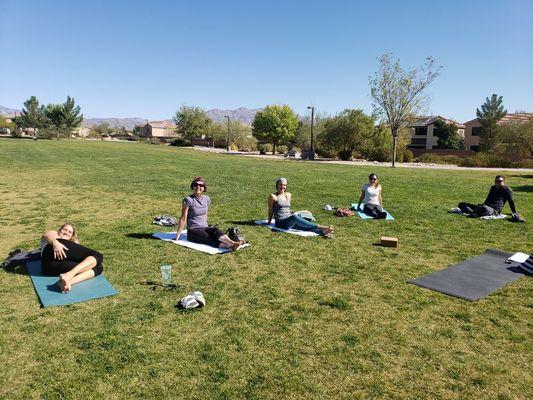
(288, 318)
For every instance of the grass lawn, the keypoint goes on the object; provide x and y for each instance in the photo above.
(288, 318)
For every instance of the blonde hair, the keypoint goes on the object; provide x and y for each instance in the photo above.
(74, 237)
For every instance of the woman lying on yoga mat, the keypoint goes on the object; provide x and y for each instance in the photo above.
(62, 255)
(279, 208)
(371, 195)
(194, 212)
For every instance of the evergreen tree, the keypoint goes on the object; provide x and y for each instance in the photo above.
(71, 116)
(32, 115)
(489, 115)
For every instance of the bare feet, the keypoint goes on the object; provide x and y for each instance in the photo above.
(64, 284)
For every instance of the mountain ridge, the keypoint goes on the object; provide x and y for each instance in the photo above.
(243, 114)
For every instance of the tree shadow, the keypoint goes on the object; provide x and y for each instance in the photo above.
(250, 222)
(141, 236)
(522, 176)
(525, 188)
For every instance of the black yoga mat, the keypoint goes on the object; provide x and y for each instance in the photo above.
(474, 278)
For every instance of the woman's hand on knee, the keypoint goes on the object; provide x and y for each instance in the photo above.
(59, 250)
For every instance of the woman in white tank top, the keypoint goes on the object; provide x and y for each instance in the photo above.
(371, 197)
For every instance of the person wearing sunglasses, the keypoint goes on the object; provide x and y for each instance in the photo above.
(498, 195)
(279, 209)
(194, 213)
(371, 195)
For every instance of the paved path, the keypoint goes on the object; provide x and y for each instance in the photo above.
(373, 163)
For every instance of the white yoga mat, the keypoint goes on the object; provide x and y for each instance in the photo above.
(298, 232)
(457, 210)
(170, 237)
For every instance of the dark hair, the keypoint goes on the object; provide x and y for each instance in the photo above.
(374, 175)
(499, 177)
(199, 179)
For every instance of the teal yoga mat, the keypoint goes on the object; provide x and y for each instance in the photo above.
(364, 216)
(50, 295)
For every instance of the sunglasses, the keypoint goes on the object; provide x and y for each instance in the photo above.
(198, 184)
(373, 179)
(499, 181)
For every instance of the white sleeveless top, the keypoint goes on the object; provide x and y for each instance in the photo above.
(371, 193)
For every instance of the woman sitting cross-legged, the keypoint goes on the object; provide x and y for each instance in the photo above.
(279, 208)
(194, 213)
(371, 193)
(62, 255)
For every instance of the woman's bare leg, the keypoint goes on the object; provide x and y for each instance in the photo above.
(66, 279)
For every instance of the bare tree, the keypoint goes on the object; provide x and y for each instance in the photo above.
(397, 94)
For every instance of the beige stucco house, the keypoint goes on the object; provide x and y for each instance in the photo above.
(473, 128)
(159, 130)
(423, 135)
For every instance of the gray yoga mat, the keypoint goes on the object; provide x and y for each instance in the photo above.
(474, 278)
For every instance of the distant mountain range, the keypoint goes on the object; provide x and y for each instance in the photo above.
(7, 111)
(245, 115)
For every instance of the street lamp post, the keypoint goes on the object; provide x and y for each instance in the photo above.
(312, 152)
(227, 141)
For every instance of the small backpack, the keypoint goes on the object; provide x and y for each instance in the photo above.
(235, 234)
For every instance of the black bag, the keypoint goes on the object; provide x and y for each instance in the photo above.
(19, 257)
(235, 234)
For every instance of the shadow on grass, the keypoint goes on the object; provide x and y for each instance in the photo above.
(17, 269)
(525, 188)
(250, 222)
(141, 236)
(522, 176)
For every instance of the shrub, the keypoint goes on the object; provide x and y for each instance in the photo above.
(281, 149)
(380, 154)
(407, 155)
(180, 142)
(345, 155)
(264, 148)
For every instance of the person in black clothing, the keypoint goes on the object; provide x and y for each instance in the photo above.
(498, 195)
(62, 255)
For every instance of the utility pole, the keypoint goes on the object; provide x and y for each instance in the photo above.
(227, 142)
(312, 152)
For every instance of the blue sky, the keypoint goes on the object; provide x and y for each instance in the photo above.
(147, 58)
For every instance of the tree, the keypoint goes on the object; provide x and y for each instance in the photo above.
(448, 136)
(518, 137)
(347, 131)
(32, 115)
(54, 118)
(71, 115)
(303, 136)
(6, 126)
(276, 124)
(398, 94)
(489, 115)
(192, 122)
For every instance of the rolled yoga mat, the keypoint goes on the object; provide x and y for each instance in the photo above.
(474, 278)
(50, 295)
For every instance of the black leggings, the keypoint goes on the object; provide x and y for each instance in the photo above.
(209, 235)
(481, 210)
(374, 211)
(76, 253)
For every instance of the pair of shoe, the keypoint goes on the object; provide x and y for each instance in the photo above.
(192, 300)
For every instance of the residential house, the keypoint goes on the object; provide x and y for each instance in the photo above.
(159, 130)
(473, 128)
(423, 132)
